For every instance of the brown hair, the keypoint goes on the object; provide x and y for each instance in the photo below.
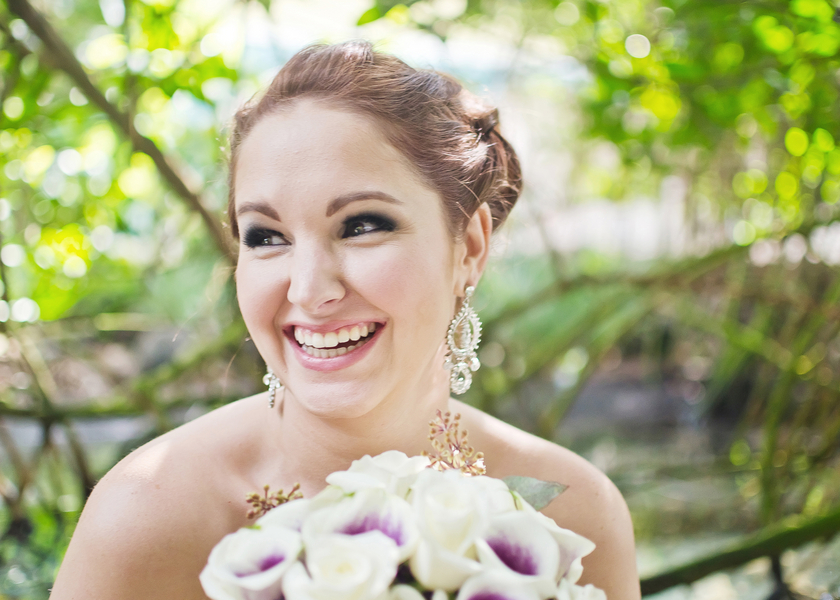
(447, 133)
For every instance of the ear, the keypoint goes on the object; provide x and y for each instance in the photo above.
(474, 249)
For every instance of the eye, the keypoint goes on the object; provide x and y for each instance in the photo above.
(367, 223)
(258, 237)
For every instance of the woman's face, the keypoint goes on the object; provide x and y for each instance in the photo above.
(347, 274)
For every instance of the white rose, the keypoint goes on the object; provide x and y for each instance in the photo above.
(392, 471)
(570, 591)
(291, 515)
(404, 592)
(497, 585)
(344, 567)
(573, 547)
(250, 564)
(371, 509)
(497, 495)
(518, 544)
(451, 514)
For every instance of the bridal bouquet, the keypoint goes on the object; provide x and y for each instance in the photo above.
(393, 527)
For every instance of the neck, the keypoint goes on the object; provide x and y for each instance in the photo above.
(313, 446)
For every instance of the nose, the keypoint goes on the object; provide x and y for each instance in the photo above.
(315, 282)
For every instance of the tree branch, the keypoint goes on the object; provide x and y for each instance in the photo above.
(49, 392)
(677, 273)
(121, 407)
(65, 60)
(770, 542)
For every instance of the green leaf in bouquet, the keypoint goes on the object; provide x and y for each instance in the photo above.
(535, 492)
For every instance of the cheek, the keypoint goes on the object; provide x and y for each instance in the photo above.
(259, 288)
(411, 284)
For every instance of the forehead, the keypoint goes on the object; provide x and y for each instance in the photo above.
(315, 149)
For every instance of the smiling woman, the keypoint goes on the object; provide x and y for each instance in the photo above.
(363, 193)
(357, 238)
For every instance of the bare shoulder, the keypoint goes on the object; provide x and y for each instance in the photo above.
(149, 525)
(591, 505)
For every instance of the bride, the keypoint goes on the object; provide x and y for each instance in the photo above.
(363, 194)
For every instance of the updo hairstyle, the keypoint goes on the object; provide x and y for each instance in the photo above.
(448, 134)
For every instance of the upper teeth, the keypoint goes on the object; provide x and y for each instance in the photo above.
(331, 339)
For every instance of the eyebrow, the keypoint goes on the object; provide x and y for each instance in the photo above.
(260, 207)
(336, 205)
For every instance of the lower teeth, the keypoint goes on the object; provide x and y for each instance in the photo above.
(332, 352)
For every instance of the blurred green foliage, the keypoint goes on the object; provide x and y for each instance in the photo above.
(102, 246)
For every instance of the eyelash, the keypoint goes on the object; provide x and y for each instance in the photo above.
(379, 222)
(258, 237)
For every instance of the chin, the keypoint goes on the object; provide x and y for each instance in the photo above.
(338, 401)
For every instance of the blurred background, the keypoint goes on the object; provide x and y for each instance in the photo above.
(664, 301)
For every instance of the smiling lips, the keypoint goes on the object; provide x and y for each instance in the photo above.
(334, 343)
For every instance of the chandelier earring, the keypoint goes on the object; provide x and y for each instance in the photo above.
(462, 341)
(270, 379)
